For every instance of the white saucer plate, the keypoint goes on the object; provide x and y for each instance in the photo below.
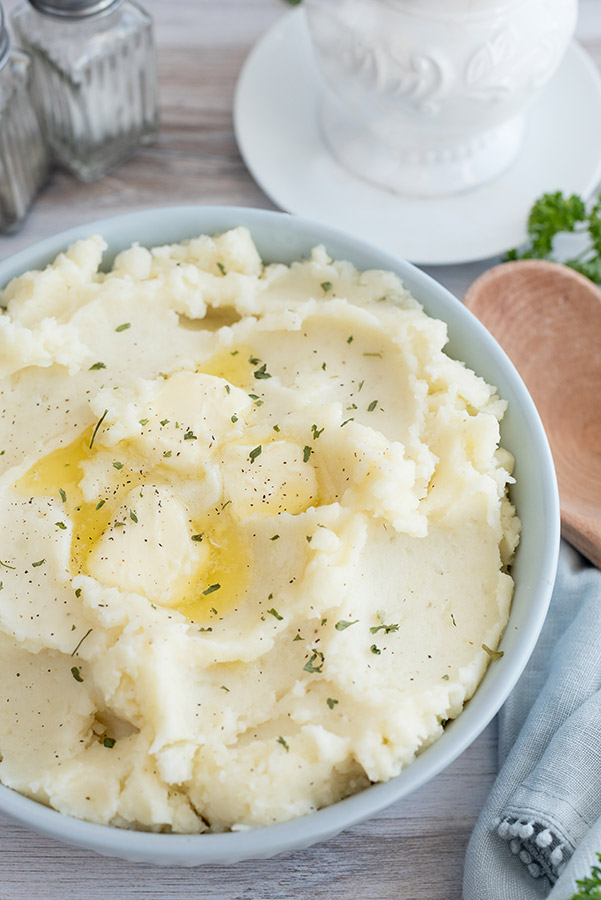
(277, 128)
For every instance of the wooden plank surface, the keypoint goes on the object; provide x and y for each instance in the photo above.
(415, 849)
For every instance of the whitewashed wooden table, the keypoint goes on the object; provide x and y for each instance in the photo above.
(415, 849)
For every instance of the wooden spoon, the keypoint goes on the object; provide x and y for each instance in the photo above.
(547, 318)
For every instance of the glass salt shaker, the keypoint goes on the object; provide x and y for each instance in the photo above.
(94, 78)
(24, 158)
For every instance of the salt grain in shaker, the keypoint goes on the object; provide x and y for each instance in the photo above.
(94, 78)
(23, 154)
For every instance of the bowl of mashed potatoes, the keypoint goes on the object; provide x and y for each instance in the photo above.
(273, 508)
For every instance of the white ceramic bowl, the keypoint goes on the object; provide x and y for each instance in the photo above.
(283, 238)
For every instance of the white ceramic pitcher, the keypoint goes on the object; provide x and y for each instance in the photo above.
(429, 97)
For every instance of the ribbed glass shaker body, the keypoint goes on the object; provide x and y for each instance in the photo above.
(94, 84)
(24, 158)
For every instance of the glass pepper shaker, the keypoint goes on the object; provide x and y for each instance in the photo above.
(24, 158)
(94, 78)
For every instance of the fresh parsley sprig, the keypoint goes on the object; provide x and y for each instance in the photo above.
(591, 886)
(554, 214)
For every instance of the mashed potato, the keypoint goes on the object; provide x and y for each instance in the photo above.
(254, 534)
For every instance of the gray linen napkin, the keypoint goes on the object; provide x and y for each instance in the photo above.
(540, 828)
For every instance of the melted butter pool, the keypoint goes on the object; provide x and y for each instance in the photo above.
(233, 364)
(61, 470)
(216, 587)
(58, 474)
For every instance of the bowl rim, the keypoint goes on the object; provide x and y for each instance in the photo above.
(500, 678)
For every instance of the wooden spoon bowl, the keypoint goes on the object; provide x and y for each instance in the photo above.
(547, 318)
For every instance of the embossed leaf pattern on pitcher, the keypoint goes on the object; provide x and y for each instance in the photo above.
(486, 71)
(387, 75)
(501, 66)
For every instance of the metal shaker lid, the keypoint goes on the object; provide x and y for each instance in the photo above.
(4, 39)
(74, 9)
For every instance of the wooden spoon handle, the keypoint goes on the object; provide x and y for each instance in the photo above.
(584, 534)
